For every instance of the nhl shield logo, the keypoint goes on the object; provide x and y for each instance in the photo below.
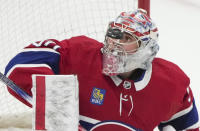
(127, 84)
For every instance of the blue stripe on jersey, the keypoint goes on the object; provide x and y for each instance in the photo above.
(141, 76)
(86, 125)
(184, 121)
(36, 57)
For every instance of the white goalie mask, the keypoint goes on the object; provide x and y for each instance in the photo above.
(130, 43)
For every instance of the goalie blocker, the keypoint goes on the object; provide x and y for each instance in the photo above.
(55, 102)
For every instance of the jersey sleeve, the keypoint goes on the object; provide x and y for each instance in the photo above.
(38, 58)
(186, 118)
(52, 57)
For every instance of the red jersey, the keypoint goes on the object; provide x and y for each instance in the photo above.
(160, 96)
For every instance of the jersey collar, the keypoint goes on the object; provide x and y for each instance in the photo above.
(139, 85)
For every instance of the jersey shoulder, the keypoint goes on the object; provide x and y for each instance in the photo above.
(81, 43)
(169, 68)
(169, 72)
(76, 43)
(78, 53)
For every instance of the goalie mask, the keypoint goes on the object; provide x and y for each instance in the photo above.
(130, 43)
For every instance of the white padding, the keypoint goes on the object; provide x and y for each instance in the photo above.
(61, 102)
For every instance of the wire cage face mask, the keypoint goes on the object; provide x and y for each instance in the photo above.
(117, 60)
(116, 53)
(113, 60)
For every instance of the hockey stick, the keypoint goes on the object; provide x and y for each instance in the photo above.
(15, 88)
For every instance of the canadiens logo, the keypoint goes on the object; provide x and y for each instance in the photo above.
(113, 126)
(97, 96)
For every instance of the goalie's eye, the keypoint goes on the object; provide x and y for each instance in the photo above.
(127, 38)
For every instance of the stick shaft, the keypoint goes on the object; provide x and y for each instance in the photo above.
(15, 88)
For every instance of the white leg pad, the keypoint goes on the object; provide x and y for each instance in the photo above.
(55, 102)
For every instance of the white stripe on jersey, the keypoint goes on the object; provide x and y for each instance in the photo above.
(111, 123)
(181, 113)
(87, 119)
(40, 49)
(25, 66)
